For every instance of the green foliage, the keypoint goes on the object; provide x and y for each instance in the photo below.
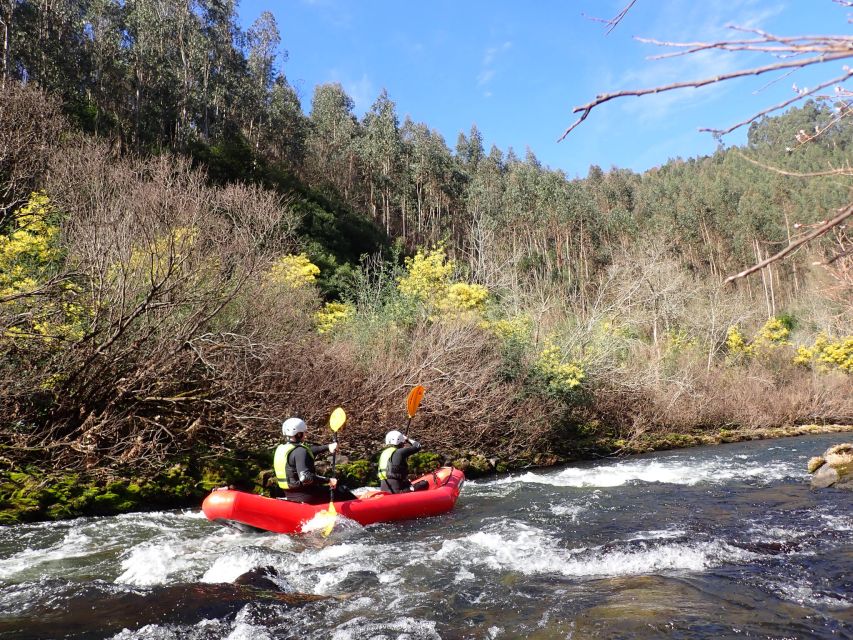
(424, 462)
(358, 473)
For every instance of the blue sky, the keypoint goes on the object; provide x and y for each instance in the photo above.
(517, 69)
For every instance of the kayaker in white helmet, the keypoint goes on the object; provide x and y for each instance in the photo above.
(295, 470)
(394, 465)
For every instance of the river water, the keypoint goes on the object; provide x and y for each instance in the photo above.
(712, 542)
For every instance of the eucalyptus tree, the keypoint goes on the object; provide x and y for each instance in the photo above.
(107, 87)
(381, 149)
(332, 139)
(263, 40)
(43, 41)
(153, 28)
(287, 126)
(484, 205)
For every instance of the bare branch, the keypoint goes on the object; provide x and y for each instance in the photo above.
(615, 20)
(585, 109)
(618, 18)
(845, 213)
(781, 105)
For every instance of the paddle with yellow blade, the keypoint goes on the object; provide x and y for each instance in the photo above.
(412, 403)
(336, 423)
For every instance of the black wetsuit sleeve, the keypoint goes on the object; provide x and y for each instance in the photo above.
(319, 448)
(306, 474)
(405, 452)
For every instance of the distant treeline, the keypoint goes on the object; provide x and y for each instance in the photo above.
(162, 74)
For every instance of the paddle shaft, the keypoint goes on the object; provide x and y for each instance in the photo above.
(334, 460)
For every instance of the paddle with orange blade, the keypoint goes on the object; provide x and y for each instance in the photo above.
(413, 402)
(336, 423)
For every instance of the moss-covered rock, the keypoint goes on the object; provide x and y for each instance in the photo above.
(36, 494)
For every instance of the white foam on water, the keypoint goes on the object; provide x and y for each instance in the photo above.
(152, 564)
(838, 522)
(657, 534)
(571, 510)
(230, 566)
(148, 632)
(533, 552)
(193, 515)
(244, 629)
(324, 519)
(679, 471)
(463, 575)
(804, 594)
(406, 628)
(75, 544)
(178, 555)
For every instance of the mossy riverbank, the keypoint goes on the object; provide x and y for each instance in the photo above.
(34, 494)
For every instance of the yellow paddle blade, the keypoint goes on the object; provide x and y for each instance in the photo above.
(337, 419)
(414, 400)
(333, 514)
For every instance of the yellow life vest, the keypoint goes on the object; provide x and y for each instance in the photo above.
(281, 462)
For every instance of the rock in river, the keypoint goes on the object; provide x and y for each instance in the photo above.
(833, 468)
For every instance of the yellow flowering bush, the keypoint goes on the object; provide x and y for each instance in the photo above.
(561, 376)
(773, 334)
(332, 314)
(158, 258)
(827, 354)
(29, 249)
(428, 280)
(27, 255)
(294, 271)
(517, 328)
(678, 341)
(461, 296)
(736, 344)
(427, 275)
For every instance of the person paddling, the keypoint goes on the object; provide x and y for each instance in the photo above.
(394, 464)
(295, 471)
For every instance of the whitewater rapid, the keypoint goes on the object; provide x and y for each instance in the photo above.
(715, 528)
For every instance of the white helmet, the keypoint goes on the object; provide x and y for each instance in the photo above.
(292, 426)
(395, 437)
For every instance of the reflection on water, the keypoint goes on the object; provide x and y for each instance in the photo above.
(700, 543)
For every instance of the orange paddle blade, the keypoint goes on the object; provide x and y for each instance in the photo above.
(414, 400)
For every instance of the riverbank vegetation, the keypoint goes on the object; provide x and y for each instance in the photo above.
(186, 258)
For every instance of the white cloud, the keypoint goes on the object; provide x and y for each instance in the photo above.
(488, 71)
(485, 76)
(362, 91)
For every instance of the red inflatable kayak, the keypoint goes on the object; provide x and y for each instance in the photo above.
(248, 510)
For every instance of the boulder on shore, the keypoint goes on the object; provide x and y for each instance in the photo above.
(833, 468)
